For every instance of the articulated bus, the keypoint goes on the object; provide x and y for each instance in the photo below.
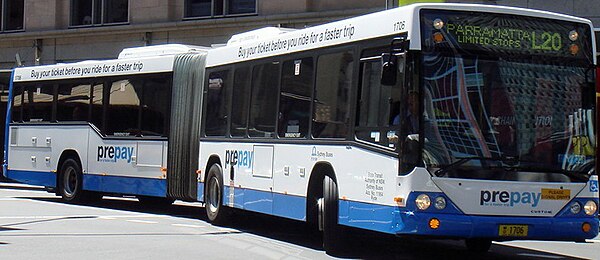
(453, 121)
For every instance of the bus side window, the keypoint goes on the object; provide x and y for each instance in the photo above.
(156, 106)
(375, 117)
(73, 102)
(294, 103)
(17, 104)
(123, 109)
(240, 101)
(217, 101)
(263, 107)
(96, 106)
(39, 99)
(332, 95)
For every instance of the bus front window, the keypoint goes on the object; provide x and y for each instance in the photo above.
(514, 114)
(379, 104)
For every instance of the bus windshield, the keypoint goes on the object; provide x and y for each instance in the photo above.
(506, 112)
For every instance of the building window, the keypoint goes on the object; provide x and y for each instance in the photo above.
(99, 12)
(11, 15)
(210, 8)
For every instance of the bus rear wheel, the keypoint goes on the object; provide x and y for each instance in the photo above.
(70, 181)
(477, 245)
(213, 196)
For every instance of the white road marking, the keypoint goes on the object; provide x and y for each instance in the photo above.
(141, 221)
(187, 225)
(82, 216)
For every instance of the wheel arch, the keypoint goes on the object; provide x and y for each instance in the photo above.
(212, 159)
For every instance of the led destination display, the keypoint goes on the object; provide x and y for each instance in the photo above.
(472, 31)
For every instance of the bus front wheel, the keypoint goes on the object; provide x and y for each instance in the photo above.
(213, 196)
(333, 235)
(70, 181)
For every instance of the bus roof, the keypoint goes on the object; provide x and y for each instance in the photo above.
(138, 60)
(389, 22)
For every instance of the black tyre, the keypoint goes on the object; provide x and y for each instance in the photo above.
(70, 181)
(213, 196)
(155, 202)
(333, 234)
(478, 245)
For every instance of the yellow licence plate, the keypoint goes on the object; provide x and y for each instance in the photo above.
(513, 230)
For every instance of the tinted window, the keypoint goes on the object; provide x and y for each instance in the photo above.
(217, 102)
(242, 6)
(263, 106)
(124, 108)
(116, 11)
(294, 106)
(18, 104)
(97, 12)
(97, 106)
(378, 105)
(13, 15)
(156, 106)
(39, 103)
(73, 102)
(332, 95)
(198, 8)
(240, 101)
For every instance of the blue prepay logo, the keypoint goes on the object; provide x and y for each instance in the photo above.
(593, 186)
(508, 199)
(239, 158)
(115, 153)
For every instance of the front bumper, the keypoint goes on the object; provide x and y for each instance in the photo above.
(464, 226)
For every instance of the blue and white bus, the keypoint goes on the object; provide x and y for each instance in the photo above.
(459, 121)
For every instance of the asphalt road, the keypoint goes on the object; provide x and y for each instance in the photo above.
(37, 225)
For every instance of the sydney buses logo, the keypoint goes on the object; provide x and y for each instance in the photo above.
(114, 154)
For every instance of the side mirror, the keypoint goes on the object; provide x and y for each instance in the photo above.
(389, 69)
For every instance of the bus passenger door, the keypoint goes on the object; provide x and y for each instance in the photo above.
(259, 196)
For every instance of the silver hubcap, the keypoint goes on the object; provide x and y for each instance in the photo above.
(213, 194)
(70, 182)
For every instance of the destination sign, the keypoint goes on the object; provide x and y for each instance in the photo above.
(471, 31)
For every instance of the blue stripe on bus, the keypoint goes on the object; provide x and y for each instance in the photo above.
(281, 205)
(125, 185)
(369, 216)
(47, 179)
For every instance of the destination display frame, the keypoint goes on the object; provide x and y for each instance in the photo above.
(504, 34)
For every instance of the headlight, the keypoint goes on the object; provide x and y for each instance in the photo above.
(423, 202)
(440, 203)
(575, 207)
(439, 24)
(590, 207)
